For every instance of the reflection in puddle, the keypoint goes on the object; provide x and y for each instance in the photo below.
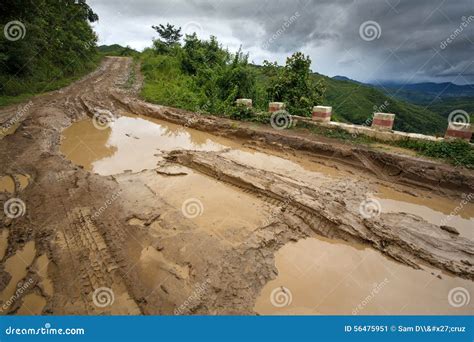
(321, 276)
(437, 210)
(132, 143)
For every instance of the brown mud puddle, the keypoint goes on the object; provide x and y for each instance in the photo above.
(434, 209)
(33, 304)
(4, 131)
(219, 209)
(3, 242)
(131, 143)
(327, 277)
(17, 266)
(24, 180)
(7, 184)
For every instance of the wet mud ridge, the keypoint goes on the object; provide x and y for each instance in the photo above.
(388, 166)
(193, 231)
(401, 236)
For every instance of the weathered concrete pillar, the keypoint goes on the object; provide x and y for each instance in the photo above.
(244, 102)
(383, 121)
(322, 113)
(459, 131)
(276, 106)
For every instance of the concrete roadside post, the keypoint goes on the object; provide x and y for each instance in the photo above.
(383, 121)
(322, 113)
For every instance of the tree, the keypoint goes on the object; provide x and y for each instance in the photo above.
(294, 85)
(169, 37)
(53, 39)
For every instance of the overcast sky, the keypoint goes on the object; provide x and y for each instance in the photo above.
(366, 40)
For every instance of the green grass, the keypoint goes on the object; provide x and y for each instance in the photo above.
(26, 88)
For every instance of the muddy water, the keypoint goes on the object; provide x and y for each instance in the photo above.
(17, 266)
(7, 184)
(321, 276)
(24, 180)
(41, 268)
(221, 210)
(3, 242)
(434, 209)
(33, 304)
(131, 143)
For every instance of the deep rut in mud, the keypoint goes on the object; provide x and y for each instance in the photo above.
(150, 216)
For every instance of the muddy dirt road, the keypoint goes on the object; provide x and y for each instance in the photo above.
(151, 210)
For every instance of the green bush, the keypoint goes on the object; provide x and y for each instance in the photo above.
(457, 151)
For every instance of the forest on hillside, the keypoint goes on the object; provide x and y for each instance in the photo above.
(44, 42)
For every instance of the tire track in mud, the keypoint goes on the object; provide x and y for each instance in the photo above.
(406, 238)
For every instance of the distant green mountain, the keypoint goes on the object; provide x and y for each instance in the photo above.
(445, 106)
(116, 50)
(355, 102)
(424, 93)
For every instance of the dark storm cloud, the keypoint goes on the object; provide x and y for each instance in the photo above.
(419, 39)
